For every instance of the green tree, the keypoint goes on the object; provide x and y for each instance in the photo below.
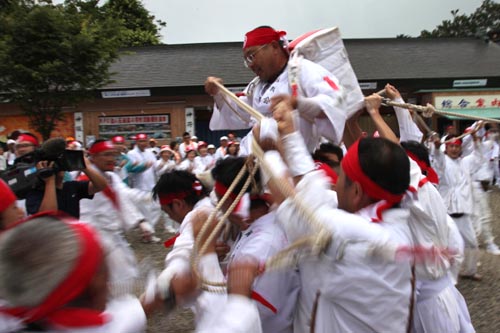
(139, 26)
(53, 56)
(484, 19)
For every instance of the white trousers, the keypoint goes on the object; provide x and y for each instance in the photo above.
(481, 215)
(471, 251)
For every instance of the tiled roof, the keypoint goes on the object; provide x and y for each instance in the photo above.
(188, 65)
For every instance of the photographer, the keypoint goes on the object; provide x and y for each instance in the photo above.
(63, 196)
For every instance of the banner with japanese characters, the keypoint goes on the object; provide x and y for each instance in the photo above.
(155, 126)
(468, 101)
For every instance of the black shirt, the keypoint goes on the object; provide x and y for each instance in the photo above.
(68, 198)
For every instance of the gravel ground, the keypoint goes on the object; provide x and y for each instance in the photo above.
(483, 298)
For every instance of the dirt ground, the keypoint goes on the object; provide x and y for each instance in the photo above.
(483, 298)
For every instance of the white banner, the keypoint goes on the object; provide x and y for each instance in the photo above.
(467, 102)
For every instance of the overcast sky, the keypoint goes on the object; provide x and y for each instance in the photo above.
(199, 21)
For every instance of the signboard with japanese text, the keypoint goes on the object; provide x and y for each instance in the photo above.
(467, 102)
(126, 93)
(155, 126)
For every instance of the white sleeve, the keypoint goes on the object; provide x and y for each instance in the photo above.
(323, 89)
(127, 315)
(408, 130)
(313, 195)
(226, 115)
(238, 315)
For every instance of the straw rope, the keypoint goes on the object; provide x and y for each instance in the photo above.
(199, 248)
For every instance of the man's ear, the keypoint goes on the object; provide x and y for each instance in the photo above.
(358, 195)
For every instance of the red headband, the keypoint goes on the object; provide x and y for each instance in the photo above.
(429, 171)
(221, 189)
(352, 169)
(167, 198)
(82, 273)
(26, 137)
(118, 139)
(457, 142)
(100, 147)
(141, 136)
(329, 172)
(261, 36)
(7, 196)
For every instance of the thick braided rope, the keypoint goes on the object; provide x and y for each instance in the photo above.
(196, 255)
(322, 237)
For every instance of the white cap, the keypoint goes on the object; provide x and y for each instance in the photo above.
(194, 137)
(165, 148)
(223, 138)
(210, 146)
(10, 141)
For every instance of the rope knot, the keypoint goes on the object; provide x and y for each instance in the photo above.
(428, 111)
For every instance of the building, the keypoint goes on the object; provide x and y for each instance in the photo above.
(159, 89)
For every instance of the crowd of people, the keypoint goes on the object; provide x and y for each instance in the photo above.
(322, 229)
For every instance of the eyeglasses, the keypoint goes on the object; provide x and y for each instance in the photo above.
(248, 60)
(24, 145)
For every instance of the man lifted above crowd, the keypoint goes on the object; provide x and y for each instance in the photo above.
(320, 99)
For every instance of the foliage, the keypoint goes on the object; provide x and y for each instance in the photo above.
(484, 19)
(139, 26)
(53, 56)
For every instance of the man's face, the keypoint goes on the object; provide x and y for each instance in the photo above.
(24, 147)
(223, 143)
(186, 138)
(264, 59)
(152, 144)
(191, 155)
(453, 150)
(344, 190)
(105, 161)
(10, 215)
(175, 210)
(202, 151)
(142, 144)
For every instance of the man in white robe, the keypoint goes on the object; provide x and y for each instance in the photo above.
(320, 97)
(456, 189)
(352, 290)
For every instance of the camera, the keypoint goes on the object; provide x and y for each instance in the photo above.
(24, 176)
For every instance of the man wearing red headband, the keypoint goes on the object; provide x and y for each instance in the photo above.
(319, 99)
(146, 180)
(260, 237)
(65, 196)
(374, 177)
(431, 227)
(26, 143)
(114, 211)
(62, 286)
(456, 189)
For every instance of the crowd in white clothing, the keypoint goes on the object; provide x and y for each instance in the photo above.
(307, 237)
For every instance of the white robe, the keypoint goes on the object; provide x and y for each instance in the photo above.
(111, 223)
(314, 85)
(359, 293)
(439, 306)
(126, 316)
(263, 239)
